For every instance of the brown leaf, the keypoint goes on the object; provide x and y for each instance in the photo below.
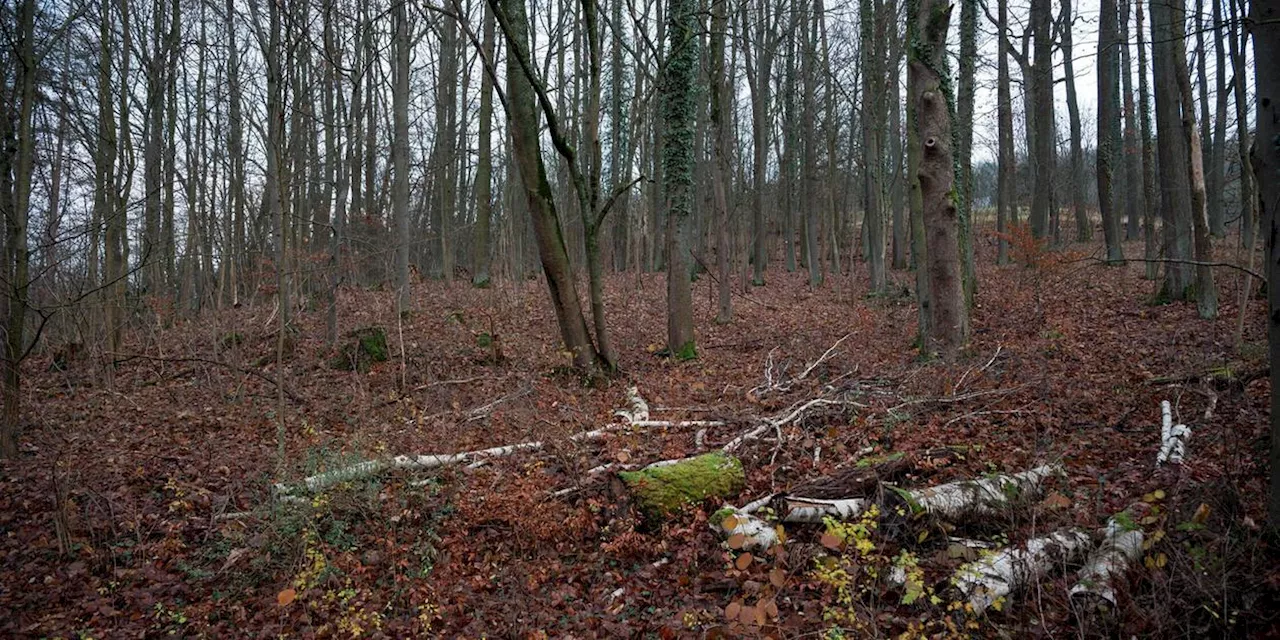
(286, 597)
(831, 541)
(777, 577)
(731, 611)
(729, 523)
(744, 561)
(747, 615)
(1057, 501)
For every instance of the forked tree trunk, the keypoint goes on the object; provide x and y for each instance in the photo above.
(526, 150)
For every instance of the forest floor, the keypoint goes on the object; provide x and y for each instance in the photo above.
(143, 506)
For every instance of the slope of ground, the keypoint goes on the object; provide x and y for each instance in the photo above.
(142, 504)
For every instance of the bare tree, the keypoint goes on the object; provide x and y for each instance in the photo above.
(1265, 25)
(679, 107)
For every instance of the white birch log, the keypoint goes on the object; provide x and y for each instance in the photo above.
(999, 574)
(639, 408)
(1173, 438)
(757, 534)
(1121, 546)
(987, 495)
(319, 481)
(812, 511)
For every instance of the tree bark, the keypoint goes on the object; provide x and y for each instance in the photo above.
(1108, 132)
(1150, 197)
(526, 150)
(679, 107)
(1007, 162)
(1084, 229)
(1265, 26)
(936, 175)
(1041, 95)
(1175, 193)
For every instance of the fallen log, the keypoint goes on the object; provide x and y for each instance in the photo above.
(1120, 548)
(665, 487)
(976, 497)
(996, 575)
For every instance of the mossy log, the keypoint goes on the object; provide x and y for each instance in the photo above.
(666, 487)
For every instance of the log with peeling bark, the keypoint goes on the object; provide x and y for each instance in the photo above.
(1173, 437)
(976, 497)
(996, 575)
(1121, 546)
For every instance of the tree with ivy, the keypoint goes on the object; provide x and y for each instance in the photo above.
(679, 108)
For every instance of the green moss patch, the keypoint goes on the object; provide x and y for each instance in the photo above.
(663, 490)
(365, 347)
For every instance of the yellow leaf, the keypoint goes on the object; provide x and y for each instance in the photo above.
(286, 597)
(1201, 515)
(1159, 494)
(729, 523)
(1161, 561)
(924, 533)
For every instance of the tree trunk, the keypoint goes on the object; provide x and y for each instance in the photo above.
(525, 145)
(17, 256)
(1108, 131)
(1265, 25)
(1248, 182)
(1175, 193)
(1206, 291)
(936, 175)
(680, 107)
(1007, 162)
(1134, 199)
(965, 106)
(400, 155)
(721, 119)
(1151, 199)
(1084, 230)
(872, 161)
(1041, 94)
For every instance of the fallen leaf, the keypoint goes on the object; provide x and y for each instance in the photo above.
(744, 561)
(286, 597)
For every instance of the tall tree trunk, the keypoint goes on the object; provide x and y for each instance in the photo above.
(400, 155)
(1084, 230)
(1108, 130)
(930, 80)
(721, 117)
(759, 70)
(873, 98)
(17, 256)
(1151, 198)
(1214, 173)
(1171, 147)
(526, 151)
(897, 153)
(809, 153)
(1206, 291)
(1041, 94)
(1134, 198)
(680, 107)
(1265, 25)
(1248, 183)
(1007, 162)
(484, 162)
(964, 149)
